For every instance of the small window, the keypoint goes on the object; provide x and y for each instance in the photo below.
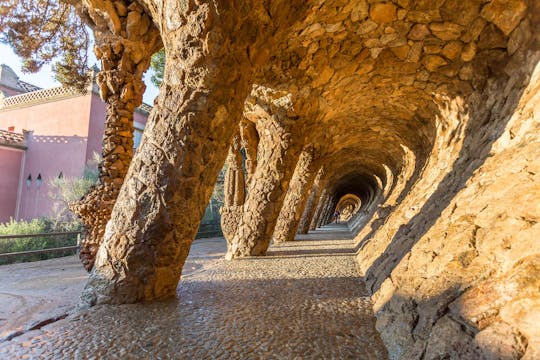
(61, 175)
(28, 181)
(38, 181)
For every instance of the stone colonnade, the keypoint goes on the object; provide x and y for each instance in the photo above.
(146, 210)
(170, 179)
(297, 87)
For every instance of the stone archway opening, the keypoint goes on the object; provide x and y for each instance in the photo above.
(348, 206)
(425, 112)
(403, 104)
(351, 194)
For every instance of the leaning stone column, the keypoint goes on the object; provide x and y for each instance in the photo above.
(323, 220)
(330, 212)
(250, 141)
(312, 203)
(276, 161)
(304, 218)
(296, 197)
(234, 189)
(172, 175)
(320, 207)
(124, 61)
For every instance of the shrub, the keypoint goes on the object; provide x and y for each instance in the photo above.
(69, 189)
(34, 226)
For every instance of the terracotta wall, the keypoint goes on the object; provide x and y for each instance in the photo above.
(57, 144)
(98, 114)
(65, 135)
(10, 168)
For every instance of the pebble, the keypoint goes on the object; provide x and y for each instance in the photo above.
(305, 300)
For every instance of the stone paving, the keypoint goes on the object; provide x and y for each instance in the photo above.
(304, 300)
(36, 292)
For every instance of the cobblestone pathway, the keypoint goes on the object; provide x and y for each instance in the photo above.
(303, 301)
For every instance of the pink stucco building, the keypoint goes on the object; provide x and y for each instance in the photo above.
(46, 134)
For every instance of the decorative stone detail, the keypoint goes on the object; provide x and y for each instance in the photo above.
(234, 189)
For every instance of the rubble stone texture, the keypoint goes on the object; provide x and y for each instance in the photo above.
(234, 191)
(124, 54)
(427, 111)
(320, 310)
(297, 195)
(312, 203)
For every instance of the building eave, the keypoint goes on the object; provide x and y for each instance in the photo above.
(14, 146)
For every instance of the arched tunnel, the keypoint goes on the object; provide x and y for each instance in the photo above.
(416, 120)
(353, 190)
(352, 194)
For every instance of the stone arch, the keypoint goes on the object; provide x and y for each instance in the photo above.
(410, 99)
(348, 205)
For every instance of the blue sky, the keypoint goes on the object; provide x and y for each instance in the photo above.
(45, 77)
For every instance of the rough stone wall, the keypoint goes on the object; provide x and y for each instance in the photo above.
(454, 269)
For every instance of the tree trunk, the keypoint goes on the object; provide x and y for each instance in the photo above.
(296, 198)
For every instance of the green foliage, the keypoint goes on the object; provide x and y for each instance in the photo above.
(69, 189)
(44, 31)
(158, 66)
(64, 191)
(22, 227)
(34, 226)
